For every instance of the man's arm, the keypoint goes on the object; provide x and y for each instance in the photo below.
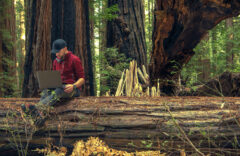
(78, 83)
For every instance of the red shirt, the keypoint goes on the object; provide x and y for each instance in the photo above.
(70, 68)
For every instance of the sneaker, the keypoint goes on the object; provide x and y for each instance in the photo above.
(32, 111)
(25, 109)
(40, 122)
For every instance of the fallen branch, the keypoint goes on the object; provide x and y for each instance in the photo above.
(182, 132)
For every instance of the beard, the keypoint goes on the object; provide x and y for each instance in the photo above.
(60, 59)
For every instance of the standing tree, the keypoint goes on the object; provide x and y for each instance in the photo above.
(20, 41)
(126, 32)
(125, 41)
(7, 48)
(38, 44)
(178, 27)
(229, 44)
(50, 20)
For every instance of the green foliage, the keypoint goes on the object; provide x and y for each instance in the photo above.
(8, 87)
(20, 41)
(109, 13)
(6, 39)
(110, 58)
(103, 13)
(149, 7)
(7, 79)
(107, 61)
(147, 143)
(5, 33)
(212, 54)
(112, 64)
(18, 142)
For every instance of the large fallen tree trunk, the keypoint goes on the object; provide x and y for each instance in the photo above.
(130, 123)
(226, 84)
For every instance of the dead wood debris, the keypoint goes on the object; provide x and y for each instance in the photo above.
(134, 82)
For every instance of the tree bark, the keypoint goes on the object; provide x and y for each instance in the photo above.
(7, 48)
(82, 44)
(65, 19)
(92, 39)
(124, 123)
(20, 40)
(229, 44)
(203, 63)
(178, 28)
(127, 32)
(38, 50)
(28, 15)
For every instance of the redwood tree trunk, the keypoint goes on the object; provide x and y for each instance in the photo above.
(179, 25)
(7, 48)
(38, 46)
(66, 19)
(229, 45)
(127, 31)
(82, 44)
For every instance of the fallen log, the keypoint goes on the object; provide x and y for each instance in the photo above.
(226, 84)
(129, 123)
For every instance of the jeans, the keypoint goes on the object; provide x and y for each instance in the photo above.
(50, 97)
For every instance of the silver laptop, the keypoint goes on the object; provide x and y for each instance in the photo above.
(49, 79)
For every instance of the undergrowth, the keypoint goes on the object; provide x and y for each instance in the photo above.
(94, 147)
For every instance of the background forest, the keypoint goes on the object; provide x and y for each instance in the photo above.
(217, 52)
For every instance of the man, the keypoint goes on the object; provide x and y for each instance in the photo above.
(72, 76)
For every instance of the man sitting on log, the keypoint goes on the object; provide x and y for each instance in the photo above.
(72, 76)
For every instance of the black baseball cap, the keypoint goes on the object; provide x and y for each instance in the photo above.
(58, 45)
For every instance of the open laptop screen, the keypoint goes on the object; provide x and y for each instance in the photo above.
(49, 79)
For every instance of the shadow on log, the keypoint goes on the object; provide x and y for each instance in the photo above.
(130, 123)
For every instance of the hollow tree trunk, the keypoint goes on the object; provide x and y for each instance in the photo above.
(66, 19)
(126, 32)
(178, 28)
(7, 48)
(132, 123)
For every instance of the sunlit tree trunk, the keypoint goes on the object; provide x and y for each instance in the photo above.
(203, 63)
(92, 39)
(7, 48)
(204, 74)
(214, 50)
(178, 27)
(66, 19)
(229, 44)
(102, 27)
(20, 40)
(28, 15)
(149, 7)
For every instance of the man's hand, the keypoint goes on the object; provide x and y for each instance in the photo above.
(68, 88)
